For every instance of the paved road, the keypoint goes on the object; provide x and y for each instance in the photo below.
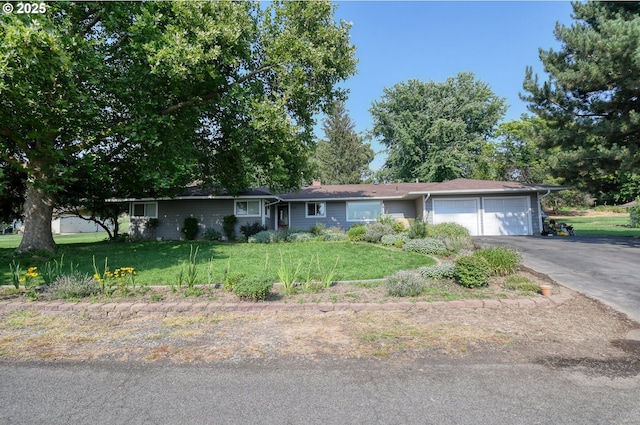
(327, 393)
(606, 269)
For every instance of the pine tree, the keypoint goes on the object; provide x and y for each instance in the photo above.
(591, 102)
(343, 157)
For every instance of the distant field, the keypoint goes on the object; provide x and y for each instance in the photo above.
(600, 225)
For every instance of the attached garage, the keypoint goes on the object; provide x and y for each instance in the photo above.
(490, 216)
(506, 216)
(464, 211)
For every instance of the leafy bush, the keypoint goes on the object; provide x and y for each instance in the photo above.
(520, 283)
(447, 230)
(427, 246)
(356, 233)
(397, 240)
(634, 216)
(335, 236)
(418, 229)
(375, 231)
(249, 230)
(439, 271)
(211, 234)
(318, 229)
(190, 228)
(405, 284)
(254, 288)
(75, 285)
(455, 244)
(229, 226)
(502, 260)
(232, 280)
(301, 237)
(472, 271)
(264, 236)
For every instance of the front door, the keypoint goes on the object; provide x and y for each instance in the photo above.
(283, 216)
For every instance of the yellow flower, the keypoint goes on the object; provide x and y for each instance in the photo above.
(22, 279)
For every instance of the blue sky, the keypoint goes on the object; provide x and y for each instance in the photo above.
(431, 41)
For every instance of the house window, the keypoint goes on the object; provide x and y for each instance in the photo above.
(144, 209)
(267, 210)
(364, 211)
(248, 208)
(316, 209)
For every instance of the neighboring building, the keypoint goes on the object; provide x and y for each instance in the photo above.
(69, 223)
(483, 207)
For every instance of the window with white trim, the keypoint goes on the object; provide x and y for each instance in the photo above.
(267, 210)
(248, 208)
(364, 210)
(315, 209)
(144, 209)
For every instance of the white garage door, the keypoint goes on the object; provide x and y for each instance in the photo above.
(462, 211)
(506, 216)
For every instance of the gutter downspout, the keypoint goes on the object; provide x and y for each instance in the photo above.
(424, 206)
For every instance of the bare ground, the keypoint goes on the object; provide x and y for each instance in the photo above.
(580, 333)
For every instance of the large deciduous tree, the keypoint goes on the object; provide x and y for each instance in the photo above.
(342, 158)
(142, 97)
(436, 131)
(591, 101)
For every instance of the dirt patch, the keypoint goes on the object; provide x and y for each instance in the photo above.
(580, 333)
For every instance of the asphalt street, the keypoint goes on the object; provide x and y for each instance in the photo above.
(327, 393)
(602, 268)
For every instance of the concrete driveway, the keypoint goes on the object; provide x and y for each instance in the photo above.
(607, 269)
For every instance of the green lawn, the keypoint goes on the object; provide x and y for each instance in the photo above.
(614, 225)
(158, 263)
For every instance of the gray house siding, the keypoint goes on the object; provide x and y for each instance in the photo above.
(335, 216)
(401, 210)
(209, 212)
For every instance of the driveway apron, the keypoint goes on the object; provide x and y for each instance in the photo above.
(607, 269)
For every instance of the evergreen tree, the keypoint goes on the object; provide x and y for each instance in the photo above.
(342, 158)
(591, 101)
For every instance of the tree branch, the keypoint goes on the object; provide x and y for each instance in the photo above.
(188, 103)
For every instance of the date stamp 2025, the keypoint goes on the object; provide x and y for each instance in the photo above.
(24, 8)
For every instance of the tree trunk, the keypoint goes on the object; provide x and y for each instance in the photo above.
(38, 212)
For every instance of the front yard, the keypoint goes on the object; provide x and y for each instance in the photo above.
(159, 263)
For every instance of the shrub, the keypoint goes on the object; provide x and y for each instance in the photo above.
(502, 260)
(439, 271)
(418, 229)
(472, 271)
(427, 246)
(265, 236)
(405, 284)
(190, 228)
(395, 240)
(447, 230)
(335, 236)
(232, 280)
(300, 237)
(455, 244)
(318, 229)
(634, 216)
(375, 231)
(229, 226)
(520, 283)
(356, 233)
(75, 285)
(254, 288)
(249, 230)
(211, 234)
